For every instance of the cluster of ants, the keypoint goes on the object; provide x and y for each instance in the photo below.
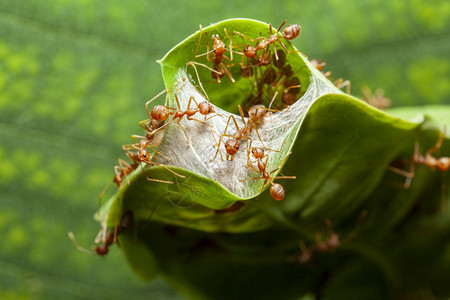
(255, 57)
(263, 64)
(143, 150)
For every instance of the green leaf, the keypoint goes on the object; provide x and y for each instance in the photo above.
(73, 84)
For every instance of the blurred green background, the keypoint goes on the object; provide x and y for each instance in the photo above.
(74, 77)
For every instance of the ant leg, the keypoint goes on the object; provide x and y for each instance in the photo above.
(79, 248)
(231, 43)
(247, 38)
(191, 63)
(438, 144)
(199, 39)
(224, 134)
(216, 144)
(281, 165)
(123, 165)
(275, 50)
(341, 83)
(210, 117)
(286, 49)
(257, 133)
(224, 68)
(200, 121)
(282, 24)
(159, 180)
(134, 136)
(157, 96)
(207, 45)
(100, 197)
(409, 175)
(185, 133)
(273, 99)
(205, 66)
(144, 124)
(151, 100)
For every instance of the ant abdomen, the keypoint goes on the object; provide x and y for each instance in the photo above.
(160, 113)
(291, 31)
(277, 191)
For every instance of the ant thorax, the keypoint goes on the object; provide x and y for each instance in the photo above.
(274, 129)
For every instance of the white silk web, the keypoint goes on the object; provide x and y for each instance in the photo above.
(275, 129)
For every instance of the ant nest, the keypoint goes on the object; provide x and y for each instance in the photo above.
(234, 175)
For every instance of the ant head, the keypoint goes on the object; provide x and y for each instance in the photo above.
(443, 163)
(250, 51)
(218, 45)
(232, 146)
(143, 155)
(276, 191)
(205, 108)
(264, 59)
(101, 250)
(291, 31)
(160, 113)
(118, 179)
(258, 153)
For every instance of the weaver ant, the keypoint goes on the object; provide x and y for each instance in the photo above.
(318, 64)
(108, 237)
(276, 190)
(330, 244)
(340, 83)
(160, 113)
(219, 49)
(289, 33)
(376, 99)
(442, 163)
(256, 113)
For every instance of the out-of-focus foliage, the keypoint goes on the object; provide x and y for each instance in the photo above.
(74, 76)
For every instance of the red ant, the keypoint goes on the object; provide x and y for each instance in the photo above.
(160, 113)
(219, 49)
(442, 163)
(109, 238)
(376, 99)
(330, 244)
(318, 64)
(124, 168)
(256, 113)
(340, 83)
(276, 190)
(289, 33)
